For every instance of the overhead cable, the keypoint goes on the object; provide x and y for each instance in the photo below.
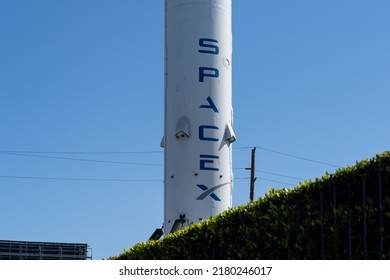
(298, 157)
(84, 160)
(79, 179)
(81, 152)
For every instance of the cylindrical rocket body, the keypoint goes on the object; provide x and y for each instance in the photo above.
(198, 177)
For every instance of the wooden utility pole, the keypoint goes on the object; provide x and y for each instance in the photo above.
(253, 178)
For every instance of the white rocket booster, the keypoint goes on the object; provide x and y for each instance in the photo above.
(198, 178)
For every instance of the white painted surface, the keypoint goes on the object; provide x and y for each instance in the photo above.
(198, 109)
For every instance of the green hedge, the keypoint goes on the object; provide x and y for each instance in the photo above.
(341, 216)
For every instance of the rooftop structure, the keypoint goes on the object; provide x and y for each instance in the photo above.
(26, 250)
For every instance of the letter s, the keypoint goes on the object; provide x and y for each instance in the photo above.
(208, 43)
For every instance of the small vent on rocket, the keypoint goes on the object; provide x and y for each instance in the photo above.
(162, 143)
(230, 136)
(183, 128)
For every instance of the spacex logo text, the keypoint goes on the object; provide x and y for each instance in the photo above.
(208, 162)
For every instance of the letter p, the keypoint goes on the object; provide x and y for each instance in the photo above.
(207, 72)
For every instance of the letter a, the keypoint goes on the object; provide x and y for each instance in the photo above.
(210, 106)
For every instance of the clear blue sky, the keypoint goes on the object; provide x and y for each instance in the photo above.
(310, 79)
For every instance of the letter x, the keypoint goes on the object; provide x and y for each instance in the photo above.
(207, 192)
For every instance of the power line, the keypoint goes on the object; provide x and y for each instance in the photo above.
(40, 155)
(267, 180)
(274, 181)
(91, 152)
(153, 152)
(271, 173)
(81, 152)
(242, 148)
(83, 160)
(298, 157)
(280, 175)
(242, 178)
(79, 179)
(114, 180)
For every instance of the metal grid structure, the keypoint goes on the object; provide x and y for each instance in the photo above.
(26, 250)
